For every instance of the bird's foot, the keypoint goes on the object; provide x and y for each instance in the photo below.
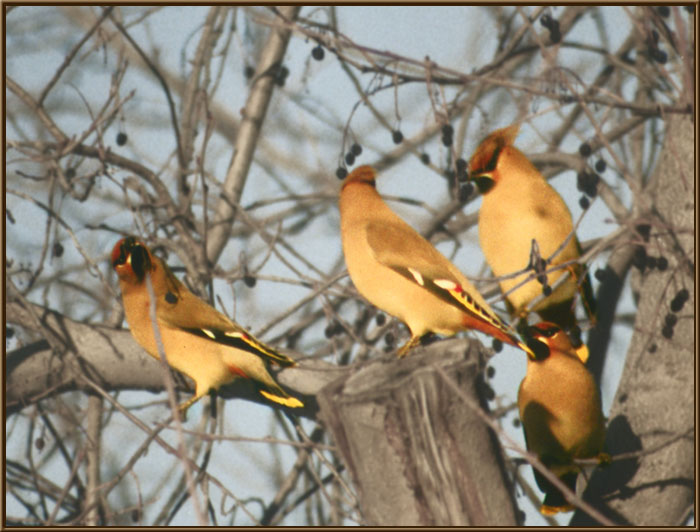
(405, 348)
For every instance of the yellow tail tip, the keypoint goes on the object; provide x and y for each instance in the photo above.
(546, 509)
(290, 402)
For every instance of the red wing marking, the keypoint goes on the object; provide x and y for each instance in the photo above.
(236, 371)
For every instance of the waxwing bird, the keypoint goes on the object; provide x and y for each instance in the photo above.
(399, 271)
(560, 411)
(519, 207)
(198, 340)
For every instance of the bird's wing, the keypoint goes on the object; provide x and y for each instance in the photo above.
(400, 248)
(181, 309)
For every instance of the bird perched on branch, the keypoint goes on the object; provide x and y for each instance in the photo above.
(525, 224)
(400, 272)
(197, 339)
(560, 410)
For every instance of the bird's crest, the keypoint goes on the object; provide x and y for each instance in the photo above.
(486, 155)
(361, 174)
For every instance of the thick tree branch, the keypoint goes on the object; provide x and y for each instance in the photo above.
(113, 359)
(247, 138)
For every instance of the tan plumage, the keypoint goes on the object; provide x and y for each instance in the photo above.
(400, 272)
(197, 339)
(560, 410)
(518, 206)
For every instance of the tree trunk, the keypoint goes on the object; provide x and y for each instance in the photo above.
(417, 453)
(653, 410)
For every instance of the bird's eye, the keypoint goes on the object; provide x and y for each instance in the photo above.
(121, 251)
(542, 331)
(549, 331)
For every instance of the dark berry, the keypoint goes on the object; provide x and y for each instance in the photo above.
(547, 290)
(329, 331)
(317, 53)
(497, 345)
(447, 140)
(601, 274)
(667, 332)
(490, 372)
(554, 33)
(664, 11)
(57, 249)
(356, 149)
(584, 202)
(461, 165)
(587, 183)
(662, 264)
(659, 56)
(465, 191)
(349, 159)
(679, 300)
(341, 173)
(249, 281)
(644, 230)
(462, 177)
(639, 258)
(540, 266)
(448, 130)
(671, 320)
(397, 136)
(600, 166)
(651, 262)
(248, 71)
(516, 422)
(542, 279)
(380, 319)
(39, 443)
(10, 332)
(489, 393)
(584, 149)
(70, 173)
(121, 139)
(389, 339)
(546, 21)
(652, 348)
(425, 158)
(281, 75)
(655, 36)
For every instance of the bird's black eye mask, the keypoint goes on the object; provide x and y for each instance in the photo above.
(539, 348)
(140, 261)
(482, 178)
(133, 252)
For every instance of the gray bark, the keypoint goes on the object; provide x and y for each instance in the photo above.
(417, 454)
(653, 410)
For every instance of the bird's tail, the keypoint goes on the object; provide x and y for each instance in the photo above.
(279, 396)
